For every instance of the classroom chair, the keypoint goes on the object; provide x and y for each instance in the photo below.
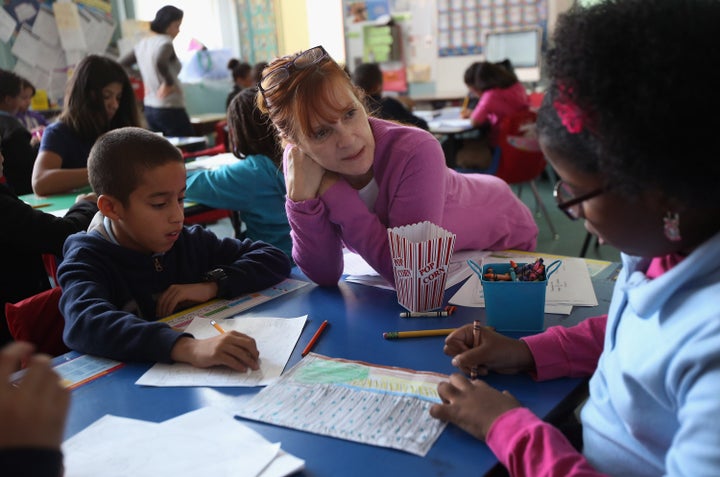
(220, 147)
(536, 99)
(518, 159)
(37, 319)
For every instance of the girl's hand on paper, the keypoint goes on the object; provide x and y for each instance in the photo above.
(33, 413)
(184, 295)
(304, 176)
(495, 352)
(471, 405)
(232, 349)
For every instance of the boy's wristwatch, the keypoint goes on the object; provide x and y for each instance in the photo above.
(218, 276)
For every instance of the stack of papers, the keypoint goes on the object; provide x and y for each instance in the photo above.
(200, 443)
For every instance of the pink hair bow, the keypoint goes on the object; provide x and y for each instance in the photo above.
(570, 115)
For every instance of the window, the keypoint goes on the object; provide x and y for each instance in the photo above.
(520, 46)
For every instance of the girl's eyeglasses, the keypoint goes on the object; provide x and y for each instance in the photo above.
(568, 202)
(303, 60)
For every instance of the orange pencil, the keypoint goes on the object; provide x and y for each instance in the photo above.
(315, 337)
(217, 327)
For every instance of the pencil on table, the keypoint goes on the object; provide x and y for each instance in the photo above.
(392, 335)
(449, 310)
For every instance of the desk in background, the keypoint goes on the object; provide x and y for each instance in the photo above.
(439, 100)
(187, 142)
(59, 204)
(358, 315)
(204, 124)
(447, 125)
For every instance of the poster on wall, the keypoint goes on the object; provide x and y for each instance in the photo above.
(48, 38)
(462, 23)
(257, 30)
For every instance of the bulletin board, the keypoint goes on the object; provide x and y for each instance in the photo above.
(47, 39)
(462, 23)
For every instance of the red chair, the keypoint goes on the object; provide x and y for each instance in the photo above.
(206, 217)
(38, 320)
(518, 159)
(221, 143)
(536, 99)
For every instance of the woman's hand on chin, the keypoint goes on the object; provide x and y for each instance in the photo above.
(303, 177)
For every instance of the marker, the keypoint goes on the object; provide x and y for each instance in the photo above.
(476, 342)
(217, 327)
(315, 337)
(393, 335)
(415, 314)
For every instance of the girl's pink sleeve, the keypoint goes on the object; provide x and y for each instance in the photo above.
(568, 352)
(481, 114)
(526, 445)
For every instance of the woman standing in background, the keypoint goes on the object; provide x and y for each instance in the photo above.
(159, 67)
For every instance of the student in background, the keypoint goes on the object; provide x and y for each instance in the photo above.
(138, 263)
(98, 98)
(159, 67)
(349, 177)
(254, 185)
(369, 78)
(257, 70)
(14, 138)
(32, 120)
(500, 94)
(26, 234)
(655, 358)
(33, 414)
(242, 78)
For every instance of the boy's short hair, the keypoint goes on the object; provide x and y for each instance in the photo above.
(119, 157)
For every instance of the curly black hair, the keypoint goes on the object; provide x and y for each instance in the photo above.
(250, 131)
(644, 73)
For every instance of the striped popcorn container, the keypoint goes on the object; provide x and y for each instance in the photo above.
(421, 256)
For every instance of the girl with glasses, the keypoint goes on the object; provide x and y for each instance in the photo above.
(617, 82)
(349, 176)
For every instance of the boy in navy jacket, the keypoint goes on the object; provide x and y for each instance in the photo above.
(138, 263)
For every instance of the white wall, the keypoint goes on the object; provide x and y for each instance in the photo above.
(325, 27)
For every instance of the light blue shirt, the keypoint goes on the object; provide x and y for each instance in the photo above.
(255, 187)
(655, 397)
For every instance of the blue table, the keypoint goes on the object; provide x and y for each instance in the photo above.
(357, 315)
